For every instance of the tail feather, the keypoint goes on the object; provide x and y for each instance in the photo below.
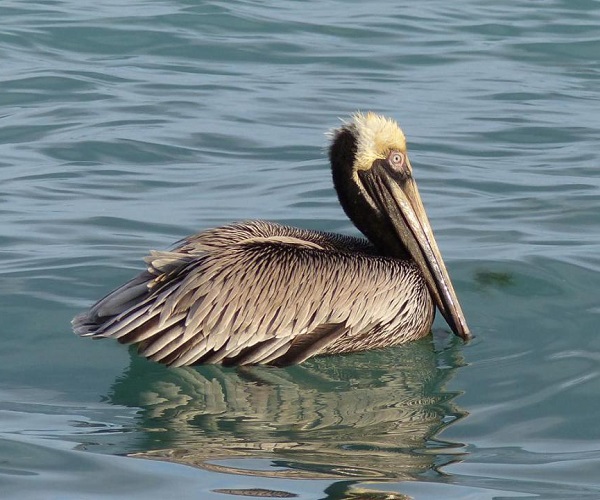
(116, 302)
(162, 266)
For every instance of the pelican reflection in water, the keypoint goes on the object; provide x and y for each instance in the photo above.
(374, 415)
(262, 293)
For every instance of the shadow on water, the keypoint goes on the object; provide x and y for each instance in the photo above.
(365, 416)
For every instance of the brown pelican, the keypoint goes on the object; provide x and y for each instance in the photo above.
(258, 292)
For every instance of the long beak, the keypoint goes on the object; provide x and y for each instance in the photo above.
(403, 206)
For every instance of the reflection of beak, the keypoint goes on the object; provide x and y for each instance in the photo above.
(398, 199)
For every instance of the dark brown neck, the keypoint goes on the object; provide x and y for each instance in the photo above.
(371, 221)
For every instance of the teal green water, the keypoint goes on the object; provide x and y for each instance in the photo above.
(126, 126)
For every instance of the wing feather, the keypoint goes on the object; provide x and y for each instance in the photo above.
(255, 293)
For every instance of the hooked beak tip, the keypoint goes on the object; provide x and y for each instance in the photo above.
(466, 336)
(463, 332)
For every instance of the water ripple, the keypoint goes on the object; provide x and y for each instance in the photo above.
(126, 126)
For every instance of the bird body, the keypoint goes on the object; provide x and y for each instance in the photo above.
(260, 292)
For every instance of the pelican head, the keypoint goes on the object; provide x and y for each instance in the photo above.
(374, 181)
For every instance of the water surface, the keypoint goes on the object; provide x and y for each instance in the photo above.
(126, 127)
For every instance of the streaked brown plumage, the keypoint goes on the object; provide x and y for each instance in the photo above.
(258, 292)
